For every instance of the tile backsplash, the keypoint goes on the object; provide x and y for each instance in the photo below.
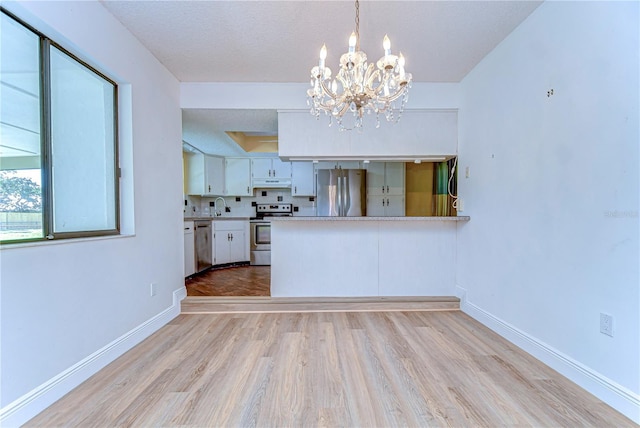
(197, 206)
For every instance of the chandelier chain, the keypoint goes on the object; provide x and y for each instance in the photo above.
(357, 25)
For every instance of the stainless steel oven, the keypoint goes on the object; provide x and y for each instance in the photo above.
(261, 231)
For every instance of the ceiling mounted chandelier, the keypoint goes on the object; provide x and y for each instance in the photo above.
(359, 87)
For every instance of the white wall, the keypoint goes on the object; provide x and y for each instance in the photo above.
(70, 307)
(553, 192)
(285, 96)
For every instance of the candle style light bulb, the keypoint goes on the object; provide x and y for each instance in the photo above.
(323, 56)
(352, 43)
(401, 65)
(386, 44)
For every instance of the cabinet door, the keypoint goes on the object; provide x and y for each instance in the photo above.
(385, 206)
(394, 206)
(376, 206)
(221, 244)
(302, 179)
(280, 169)
(394, 178)
(375, 178)
(214, 175)
(238, 177)
(189, 250)
(261, 167)
(237, 246)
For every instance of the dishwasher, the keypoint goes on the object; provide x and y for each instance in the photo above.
(203, 244)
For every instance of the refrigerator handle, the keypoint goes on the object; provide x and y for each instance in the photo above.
(347, 199)
(339, 196)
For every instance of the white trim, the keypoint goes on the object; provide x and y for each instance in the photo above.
(620, 398)
(35, 401)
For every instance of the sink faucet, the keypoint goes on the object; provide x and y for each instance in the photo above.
(215, 206)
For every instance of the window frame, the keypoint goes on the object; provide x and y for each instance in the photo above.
(45, 44)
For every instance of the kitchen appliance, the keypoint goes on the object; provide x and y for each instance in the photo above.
(261, 231)
(341, 193)
(203, 245)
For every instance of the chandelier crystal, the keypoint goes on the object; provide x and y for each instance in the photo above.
(359, 87)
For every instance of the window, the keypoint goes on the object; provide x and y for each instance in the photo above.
(58, 141)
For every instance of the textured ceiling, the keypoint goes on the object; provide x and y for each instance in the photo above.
(279, 41)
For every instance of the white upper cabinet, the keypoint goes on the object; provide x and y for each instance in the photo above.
(238, 177)
(386, 189)
(419, 134)
(302, 179)
(270, 168)
(205, 175)
(385, 178)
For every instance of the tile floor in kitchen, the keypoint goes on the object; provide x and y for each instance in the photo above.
(231, 282)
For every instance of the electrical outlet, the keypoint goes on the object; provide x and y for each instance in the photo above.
(460, 206)
(152, 289)
(606, 324)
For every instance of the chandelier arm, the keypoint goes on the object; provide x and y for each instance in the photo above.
(343, 81)
(326, 90)
(343, 110)
(372, 77)
(391, 98)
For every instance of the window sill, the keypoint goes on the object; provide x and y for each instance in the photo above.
(9, 246)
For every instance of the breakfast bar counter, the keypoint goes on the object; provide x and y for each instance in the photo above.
(431, 218)
(364, 256)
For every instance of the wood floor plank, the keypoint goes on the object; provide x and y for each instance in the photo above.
(360, 369)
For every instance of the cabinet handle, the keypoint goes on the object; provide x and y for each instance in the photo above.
(383, 192)
(232, 237)
(228, 237)
(209, 187)
(247, 189)
(383, 202)
(387, 189)
(295, 189)
(387, 202)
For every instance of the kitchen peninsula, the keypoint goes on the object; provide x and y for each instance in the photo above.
(364, 256)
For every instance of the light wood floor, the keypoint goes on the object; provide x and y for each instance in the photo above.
(366, 369)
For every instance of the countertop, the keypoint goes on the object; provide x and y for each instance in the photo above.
(216, 218)
(434, 218)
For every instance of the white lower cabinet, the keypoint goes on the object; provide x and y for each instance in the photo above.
(230, 241)
(189, 249)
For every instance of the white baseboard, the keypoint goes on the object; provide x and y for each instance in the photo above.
(35, 401)
(620, 398)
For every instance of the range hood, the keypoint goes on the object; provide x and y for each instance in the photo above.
(271, 183)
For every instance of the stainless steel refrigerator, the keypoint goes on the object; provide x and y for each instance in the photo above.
(341, 193)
